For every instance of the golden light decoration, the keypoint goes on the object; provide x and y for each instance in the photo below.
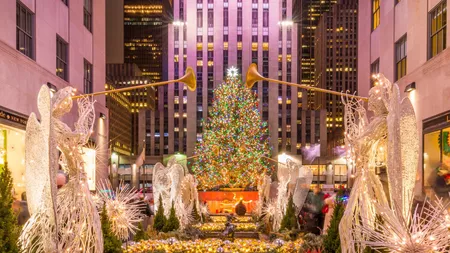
(219, 227)
(212, 245)
(123, 208)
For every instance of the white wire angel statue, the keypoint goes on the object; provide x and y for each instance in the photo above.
(67, 220)
(392, 129)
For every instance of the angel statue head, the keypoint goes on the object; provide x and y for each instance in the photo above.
(378, 95)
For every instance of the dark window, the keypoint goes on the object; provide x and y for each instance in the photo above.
(24, 35)
(400, 57)
(199, 18)
(88, 14)
(239, 17)
(88, 87)
(66, 2)
(254, 17)
(225, 16)
(61, 58)
(375, 14)
(266, 18)
(210, 17)
(438, 29)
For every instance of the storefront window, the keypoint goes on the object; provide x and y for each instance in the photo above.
(12, 151)
(436, 163)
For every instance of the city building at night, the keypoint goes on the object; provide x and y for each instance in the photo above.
(307, 16)
(53, 43)
(213, 36)
(336, 53)
(411, 48)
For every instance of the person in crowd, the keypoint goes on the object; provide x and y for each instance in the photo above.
(21, 209)
(146, 211)
(314, 208)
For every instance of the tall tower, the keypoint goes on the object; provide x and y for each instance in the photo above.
(335, 52)
(307, 15)
(145, 45)
(212, 36)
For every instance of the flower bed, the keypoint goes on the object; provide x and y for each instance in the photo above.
(219, 227)
(214, 245)
(223, 219)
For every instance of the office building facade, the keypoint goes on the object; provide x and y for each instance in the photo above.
(411, 47)
(335, 53)
(211, 36)
(58, 43)
(307, 16)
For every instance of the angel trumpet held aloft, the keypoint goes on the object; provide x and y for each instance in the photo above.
(393, 128)
(67, 219)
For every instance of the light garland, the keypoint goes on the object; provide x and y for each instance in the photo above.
(215, 245)
(234, 141)
(219, 227)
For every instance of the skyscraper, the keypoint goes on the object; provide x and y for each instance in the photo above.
(307, 16)
(212, 36)
(335, 53)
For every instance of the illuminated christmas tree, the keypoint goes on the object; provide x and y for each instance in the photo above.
(235, 140)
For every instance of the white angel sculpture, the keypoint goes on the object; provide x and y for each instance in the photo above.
(68, 219)
(393, 128)
(167, 183)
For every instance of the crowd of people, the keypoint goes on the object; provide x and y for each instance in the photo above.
(315, 215)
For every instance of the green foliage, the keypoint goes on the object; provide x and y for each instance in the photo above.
(240, 209)
(160, 219)
(172, 223)
(312, 243)
(9, 230)
(195, 214)
(332, 242)
(140, 235)
(289, 221)
(111, 243)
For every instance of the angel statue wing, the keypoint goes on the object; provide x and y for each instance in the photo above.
(161, 185)
(40, 175)
(403, 150)
(302, 186)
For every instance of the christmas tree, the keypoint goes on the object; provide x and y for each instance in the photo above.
(140, 234)
(289, 220)
(332, 242)
(160, 219)
(195, 216)
(9, 230)
(111, 243)
(172, 223)
(235, 140)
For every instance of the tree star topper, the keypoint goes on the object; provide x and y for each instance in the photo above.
(232, 72)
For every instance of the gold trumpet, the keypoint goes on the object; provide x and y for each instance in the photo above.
(253, 76)
(188, 79)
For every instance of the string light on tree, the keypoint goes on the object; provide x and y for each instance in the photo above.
(235, 138)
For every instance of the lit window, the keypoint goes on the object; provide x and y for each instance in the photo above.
(199, 46)
(254, 46)
(199, 63)
(210, 63)
(239, 45)
(225, 46)
(265, 46)
(438, 29)
(175, 58)
(61, 58)
(210, 46)
(375, 14)
(374, 69)
(400, 57)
